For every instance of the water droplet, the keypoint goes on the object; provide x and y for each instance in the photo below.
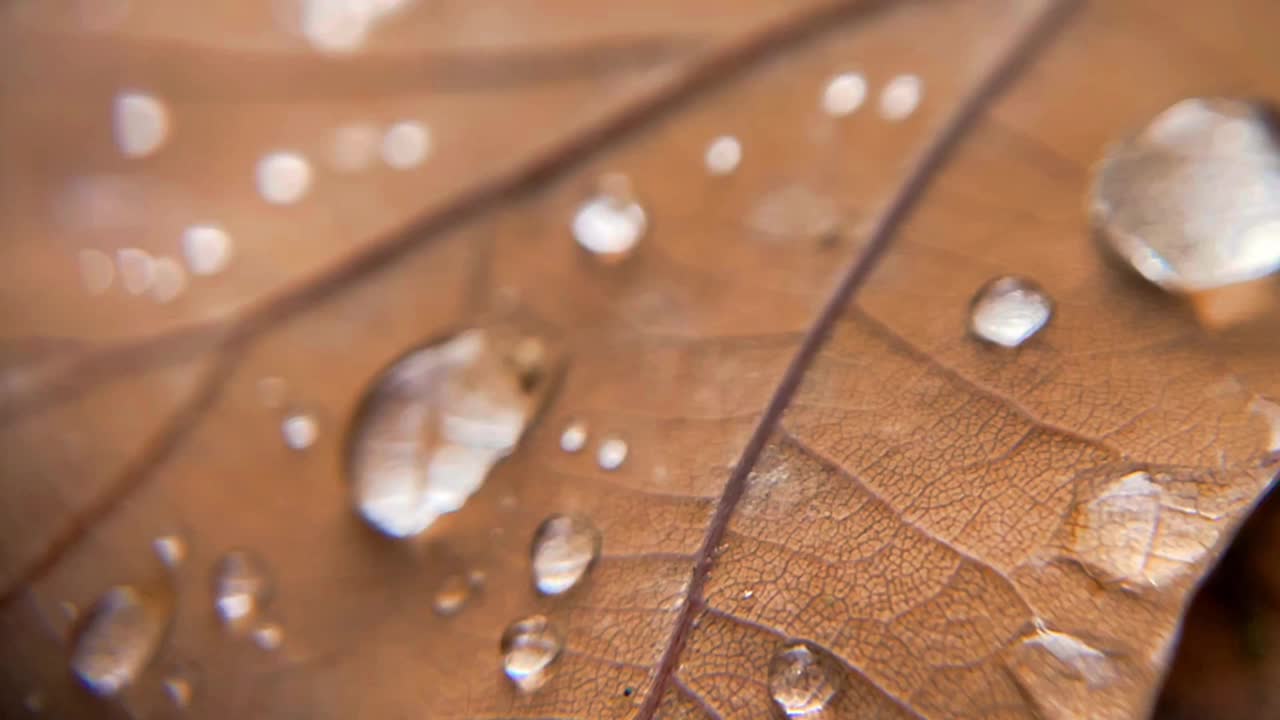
(268, 636)
(436, 422)
(529, 649)
(283, 177)
(1192, 202)
(844, 94)
(1075, 658)
(354, 147)
(242, 586)
(477, 578)
(612, 453)
(341, 26)
(723, 155)
(137, 270)
(452, 595)
(168, 280)
(801, 680)
(1009, 311)
(207, 249)
(118, 638)
(300, 431)
(170, 549)
(179, 687)
(610, 224)
(97, 271)
(795, 211)
(574, 437)
(141, 123)
(900, 97)
(564, 548)
(406, 144)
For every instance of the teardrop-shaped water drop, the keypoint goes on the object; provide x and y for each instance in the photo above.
(564, 548)
(118, 638)
(242, 586)
(802, 681)
(530, 648)
(452, 595)
(436, 422)
(1192, 202)
(611, 223)
(1009, 311)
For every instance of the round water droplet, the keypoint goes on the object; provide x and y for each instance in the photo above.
(118, 638)
(574, 437)
(97, 271)
(723, 155)
(564, 548)
(801, 680)
(612, 453)
(170, 549)
(268, 636)
(242, 586)
(1009, 310)
(406, 144)
(1192, 202)
(283, 177)
(610, 224)
(168, 280)
(207, 249)
(137, 270)
(900, 97)
(141, 123)
(844, 94)
(529, 649)
(300, 431)
(452, 595)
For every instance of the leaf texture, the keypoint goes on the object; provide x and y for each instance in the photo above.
(817, 449)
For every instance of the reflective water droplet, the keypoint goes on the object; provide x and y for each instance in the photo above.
(1192, 202)
(141, 123)
(574, 437)
(612, 453)
(168, 281)
(299, 430)
(118, 638)
(170, 549)
(844, 94)
(1075, 658)
(452, 595)
(610, 224)
(529, 649)
(436, 422)
(268, 636)
(283, 177)
(564, 548)
(406, 144)
(801, 680)
(97, 271)
(1009, 311)
(723, 155)
(353, 147)
(207, 249)
(137, 270)
(900, 97)
(242, 586)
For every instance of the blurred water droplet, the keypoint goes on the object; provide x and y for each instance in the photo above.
(574, 437)
(283, 177)
(611, 223)
(1192, 202)
(169, 279)
(207, 249)
(299, 430)
(141, 123)
(118, 638)
(564, 548)
(354, 147)
(452, 595)
(242, 586)
(178, 689)
(612, 453)
(268, 636)
(723, 155)
(801, 680)
(844, 94)
(436, 422)
(97, 271)
(900, 97)
(406, 144)
(339, 26)
(529, 649)
(170, 549)
(1009, 311)
(137, 270)
(271, 391)
(795, 211)
(477, 578)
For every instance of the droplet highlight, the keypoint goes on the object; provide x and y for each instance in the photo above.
(299, 431)
(844, 94)
(1009, 310)
(530, 648)
(171, 550)
(611, 453)
(406, 145)
(452, 595)
(141, 123)
(242, 586)
(283, 177)
(564, 549)
(723, 155)
(574, 437)
(118, 639)
(207, 249)
(900, 97)
(611, 223)
(801, 680)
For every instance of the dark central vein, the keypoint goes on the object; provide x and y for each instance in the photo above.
(1032, 39)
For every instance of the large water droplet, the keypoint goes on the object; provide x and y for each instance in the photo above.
(242, 586)
(529, 649)
(610, 224)
(299, 430)
(436, 422)
(801, 680)
(564, 548)
(1009, 310)
(1192, 202)
(118, 638)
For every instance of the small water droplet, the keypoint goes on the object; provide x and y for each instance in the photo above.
(1009, 311)
(353, 147)
(268, 636)
(801, 680)
(900, 97)
(242, 586)
(171, 550)
(844, 94)
(748, 594)
(611, 223)
(207, 249)
(406, 144)
(611, 453)
(299, 430)
(564, 548)
(141, 123)
(283, 177)
(169, 279)
(137, 270)
(574, 437)
(1192, 202)
(723, 155)
(97, 271)
(178, 688)
(118, 638)
(477, 578)
(452, 595)
(529, 649)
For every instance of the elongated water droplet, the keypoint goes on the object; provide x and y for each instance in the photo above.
(612, 453)
(723, 155)
(1192, 202)
(574, 437)
(844, 94)
(452, 595)
(242, 586)
(610, 224)
(801, 680)
(1009, 311)
(300, 431)
(529, 649)
(436, 422)
(170, 549)
(564, 548)
(118, 638)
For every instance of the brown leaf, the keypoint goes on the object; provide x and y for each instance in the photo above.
(817, 450)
